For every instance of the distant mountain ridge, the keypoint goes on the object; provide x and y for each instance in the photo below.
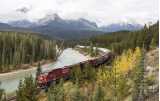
(4, 26)
(55, 26)
(121, 26)
(55, 21)
(22, 23)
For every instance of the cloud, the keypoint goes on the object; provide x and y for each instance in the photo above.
(23, 9)
(101, 11)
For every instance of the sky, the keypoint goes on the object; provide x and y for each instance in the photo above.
(102, 12)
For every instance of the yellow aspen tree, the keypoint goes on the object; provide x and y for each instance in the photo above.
(127, 60)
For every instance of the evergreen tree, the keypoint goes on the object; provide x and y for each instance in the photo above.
(148, 39)
(39, 70)
(153, 43)
(138, 79)
(2, 94)
(91, 48)
(27, 90)
(17, 48)
(20, 93)
(56, 92)
(98, 94)
(77, 95)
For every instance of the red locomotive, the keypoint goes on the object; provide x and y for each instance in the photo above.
(45, 79)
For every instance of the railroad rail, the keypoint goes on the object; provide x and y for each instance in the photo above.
(13, 98)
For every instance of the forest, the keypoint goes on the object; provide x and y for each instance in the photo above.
(148, 37)
(125, 78)
(17, 49)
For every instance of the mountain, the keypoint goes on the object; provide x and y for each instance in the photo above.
(55, 26)
(5, 26)
(22, 23)
(55, 21)
(49, 18)
(121, 26)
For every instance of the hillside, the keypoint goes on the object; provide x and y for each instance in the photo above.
(125, 81)
(118, 41)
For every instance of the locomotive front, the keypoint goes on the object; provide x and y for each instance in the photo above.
(42, 80)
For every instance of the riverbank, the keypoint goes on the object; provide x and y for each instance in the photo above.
(30, 68)
(26, 66)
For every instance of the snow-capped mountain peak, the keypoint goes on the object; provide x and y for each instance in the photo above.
(22, 23)
(48, 18)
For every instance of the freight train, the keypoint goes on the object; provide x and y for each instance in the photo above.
(45, 79)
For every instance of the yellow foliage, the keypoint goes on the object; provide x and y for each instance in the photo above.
(127, 61)
(114, 80)
(102, 76)
(122, 65)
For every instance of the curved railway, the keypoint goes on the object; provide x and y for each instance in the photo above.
(46, 78)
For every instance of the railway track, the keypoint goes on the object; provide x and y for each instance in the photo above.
(13, 98)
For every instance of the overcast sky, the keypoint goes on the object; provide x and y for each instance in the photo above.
(100, 11)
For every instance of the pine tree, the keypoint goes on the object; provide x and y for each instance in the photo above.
(17, 48)
(77, 96)
(138, 79)
(148, 39)
(153, 43)
(52, 94)
(2, 94)
(27, 90)
(98, 94)
(39, 70)
(20, 93)
(56, 92)
(91, 49)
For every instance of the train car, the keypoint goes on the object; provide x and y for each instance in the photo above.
(65, 72)
(54, 75)
(100, 60)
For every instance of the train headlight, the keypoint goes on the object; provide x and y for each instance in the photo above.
(42, 79)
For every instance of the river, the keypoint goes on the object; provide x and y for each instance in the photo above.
(10, 81)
